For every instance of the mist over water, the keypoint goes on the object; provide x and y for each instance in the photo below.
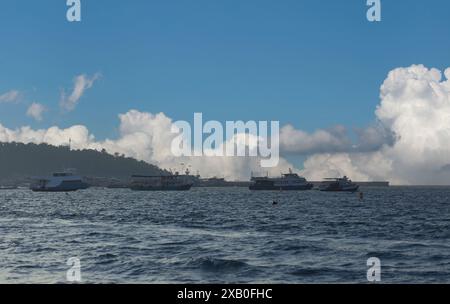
(225, 236)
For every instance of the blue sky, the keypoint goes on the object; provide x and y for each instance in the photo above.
(310, 63)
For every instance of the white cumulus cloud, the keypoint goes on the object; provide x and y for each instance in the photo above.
(415, 106)
(408, 144)
(147, 137)
(53, 136)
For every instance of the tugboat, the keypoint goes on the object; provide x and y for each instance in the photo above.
(338, 185)
(174, 182)
(290, 181)
(59, 182)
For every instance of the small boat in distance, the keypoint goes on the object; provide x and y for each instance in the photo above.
(174, 182)
(338, 185)
(59, 182)
(288, 182)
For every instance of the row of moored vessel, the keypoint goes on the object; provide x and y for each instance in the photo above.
(69, 181)
(293, 181)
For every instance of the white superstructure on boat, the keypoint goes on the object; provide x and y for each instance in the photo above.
(339, 185)
(59, 182)
(290, 181)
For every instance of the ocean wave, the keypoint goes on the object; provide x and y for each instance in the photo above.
(158, 237)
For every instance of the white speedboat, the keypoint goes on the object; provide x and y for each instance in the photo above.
(59, 182)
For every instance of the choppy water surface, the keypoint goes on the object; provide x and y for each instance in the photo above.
(225, 236)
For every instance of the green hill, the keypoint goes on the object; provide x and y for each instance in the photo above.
(18, 161)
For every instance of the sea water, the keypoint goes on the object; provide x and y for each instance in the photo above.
(226, 235)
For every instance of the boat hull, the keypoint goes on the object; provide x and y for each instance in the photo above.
(281, 188)
(333, 189)
(61, 188)
(162, 188)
